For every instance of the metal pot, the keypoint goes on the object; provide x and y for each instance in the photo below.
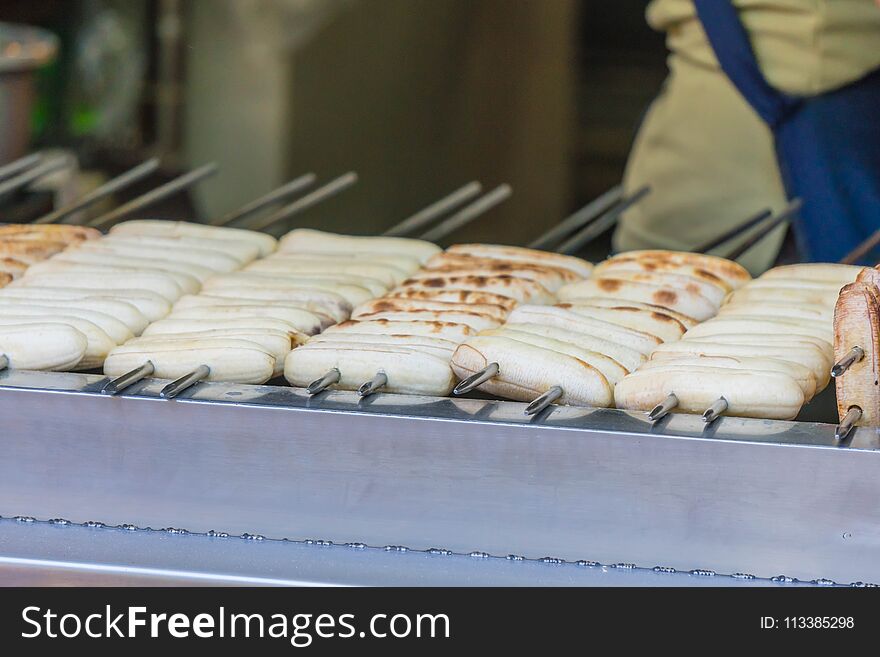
(23, 49)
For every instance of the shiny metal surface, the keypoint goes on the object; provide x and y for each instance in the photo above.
(739, 495)
(437, 209)
(170, 188)
(468, 213)
(57, 553)
(112, 186)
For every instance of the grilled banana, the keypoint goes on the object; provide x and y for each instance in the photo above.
(857, 324)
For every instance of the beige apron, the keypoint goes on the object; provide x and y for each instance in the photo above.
(707, 155)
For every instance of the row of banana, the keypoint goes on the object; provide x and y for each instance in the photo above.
(605, 328)
(629, 332)
(244, 323)
(405, 339)
(767, 352)
(68, 312)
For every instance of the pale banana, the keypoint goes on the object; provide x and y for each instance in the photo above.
(160, 284)
(42, 346)
(150, 305)
(409, 371)
(265, 244)
(211, 309)
(235, 361)
(98, 343)
(304, 240)
(760, 394)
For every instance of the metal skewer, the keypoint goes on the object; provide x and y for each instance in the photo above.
(111, 186)
(662, 409)
(18, 165)
(735, 231)
(320, 385)
(176, 387)
(848, 423)
(163, 191)
(51, 165)
(540, 403)
(788, 212)
(120, 383)
(477, 379)
(715, 411)
(468, 213)
(4, 362)
(862, 249)
(379, 381)
(602, 223)
(275, 196)
(852, 357)
(586, 215)
(425, 216)
(313, 198)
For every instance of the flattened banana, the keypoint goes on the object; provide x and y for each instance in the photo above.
(408, 370)
(580, 267)
(329, 303)
(446, 330)
(455, 296)
(160, 284)
(521, 289)
(565, 319)
(149, 304)
(236, 361)
(125, 312)
(265, 244)
(682, 301)
(386, 304)
(305, 240)
(474, 320)
(713, 291)
(117, 331)
(42, 346)
(188, 284)
(800, 373)
(130, 248)
(611, 302)
(748, 393)
(86, 257)
(551, 279)
(653, 322)
(612, 370)
(213, 309)
(98, 343)
(530, 371)
(387, 275)
(729, 271)
(630, 358)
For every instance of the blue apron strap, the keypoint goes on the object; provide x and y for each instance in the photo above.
(732, 47)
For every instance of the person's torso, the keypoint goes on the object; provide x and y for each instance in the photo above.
(804, 47)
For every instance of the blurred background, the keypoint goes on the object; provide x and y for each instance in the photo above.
(417, 96)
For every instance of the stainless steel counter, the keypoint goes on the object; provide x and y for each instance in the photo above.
(754, 497)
